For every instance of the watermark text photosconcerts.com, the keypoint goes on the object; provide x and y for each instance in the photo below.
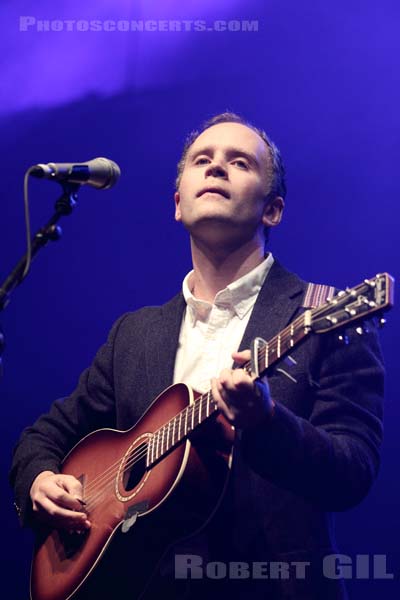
(333, 566)
(33, 24)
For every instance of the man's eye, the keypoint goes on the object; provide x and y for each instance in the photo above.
(203, 160)
(242, 164)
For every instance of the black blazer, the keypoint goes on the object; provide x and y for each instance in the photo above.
(319, 453)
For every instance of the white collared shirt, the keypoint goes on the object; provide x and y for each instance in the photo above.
(210, 332)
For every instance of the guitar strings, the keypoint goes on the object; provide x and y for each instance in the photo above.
(98, 485)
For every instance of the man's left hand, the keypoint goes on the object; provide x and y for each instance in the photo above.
(244, 402)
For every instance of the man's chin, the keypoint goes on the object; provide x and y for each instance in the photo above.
(220, 231)
(212, 223)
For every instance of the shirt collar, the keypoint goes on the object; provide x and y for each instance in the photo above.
(239, 296)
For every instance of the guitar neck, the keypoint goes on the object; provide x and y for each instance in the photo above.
(178, 428)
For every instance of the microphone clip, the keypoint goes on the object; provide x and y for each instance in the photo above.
(68, 199)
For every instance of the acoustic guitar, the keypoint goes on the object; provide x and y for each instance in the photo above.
(173, 466)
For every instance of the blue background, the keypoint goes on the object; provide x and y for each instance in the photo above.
(322, 78)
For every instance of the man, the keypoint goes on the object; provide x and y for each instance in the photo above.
(307, 441)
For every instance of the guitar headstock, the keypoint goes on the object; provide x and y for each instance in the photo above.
(374, 295)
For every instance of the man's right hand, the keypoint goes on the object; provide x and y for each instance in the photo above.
(57, 501)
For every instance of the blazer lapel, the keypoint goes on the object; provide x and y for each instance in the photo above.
(277, 303)
(162, 343)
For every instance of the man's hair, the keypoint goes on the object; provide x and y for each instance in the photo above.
(278, 184)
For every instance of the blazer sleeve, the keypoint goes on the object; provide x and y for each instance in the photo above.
(332, 457)
(43, 446)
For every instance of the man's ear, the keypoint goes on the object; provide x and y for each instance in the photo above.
(273, 211)
(177, 207)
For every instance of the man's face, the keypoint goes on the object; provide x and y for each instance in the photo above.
(225, 180)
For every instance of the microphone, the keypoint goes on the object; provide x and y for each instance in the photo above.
(100, 173)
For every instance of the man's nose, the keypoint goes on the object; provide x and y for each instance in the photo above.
(216, 169)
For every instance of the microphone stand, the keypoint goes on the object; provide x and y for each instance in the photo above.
(50, 232)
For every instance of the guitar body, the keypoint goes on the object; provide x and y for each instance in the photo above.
(119, 489)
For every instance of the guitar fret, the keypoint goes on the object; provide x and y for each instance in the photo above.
(151, 448)
(156, 445)
(168, 444)
(208, 404)
(162, 440)
(188, 410)
(159, 445)
(173, 431)
(200, 405)
(149, 452)
(168, 436)
(186, 421)
(278, 350)
(158, 453)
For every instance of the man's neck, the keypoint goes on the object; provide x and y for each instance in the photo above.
(215, 269)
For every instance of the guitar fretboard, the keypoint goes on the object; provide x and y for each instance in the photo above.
(178, 428)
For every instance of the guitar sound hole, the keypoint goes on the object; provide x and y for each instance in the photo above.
(135, 467)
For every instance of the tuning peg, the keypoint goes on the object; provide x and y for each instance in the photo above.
(381, 322)
(333, 320)
(359, 330)
(369, 303)
(370, 282)
(343, 338)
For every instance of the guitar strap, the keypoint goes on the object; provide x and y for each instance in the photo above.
(317, 294)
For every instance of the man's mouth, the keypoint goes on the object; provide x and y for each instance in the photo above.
(214, 190)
